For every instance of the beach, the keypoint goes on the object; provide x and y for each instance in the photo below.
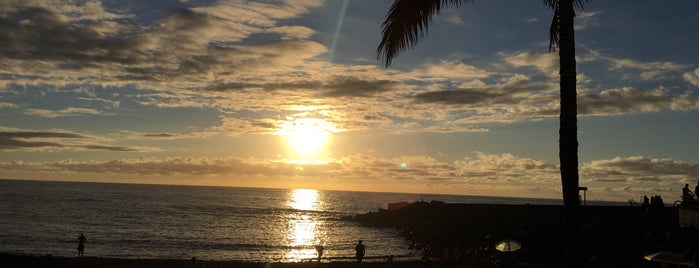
(615, 236)
(22, 261)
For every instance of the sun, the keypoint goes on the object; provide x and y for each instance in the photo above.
(307, 136)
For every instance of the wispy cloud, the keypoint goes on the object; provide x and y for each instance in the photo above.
(546, 63)
(639, 168)
(236, 127)
(692, 77)
(632, 100)
(8, 105)
(452, 17)
(585, 20)
(35, 140)
(648, 69)
(70, 111)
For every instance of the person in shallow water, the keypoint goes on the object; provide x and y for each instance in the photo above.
(359, 249)
(81, 244)
(319, 250)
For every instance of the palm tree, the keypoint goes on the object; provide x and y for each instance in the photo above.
(407, 22)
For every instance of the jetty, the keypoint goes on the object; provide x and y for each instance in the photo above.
(614, 236)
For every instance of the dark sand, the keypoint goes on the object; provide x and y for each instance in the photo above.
(12, 261)
(614, 237)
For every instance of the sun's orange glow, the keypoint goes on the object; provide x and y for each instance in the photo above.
(307, 136)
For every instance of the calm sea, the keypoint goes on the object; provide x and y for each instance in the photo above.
(215, 223)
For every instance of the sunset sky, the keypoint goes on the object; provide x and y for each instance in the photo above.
(290, 94)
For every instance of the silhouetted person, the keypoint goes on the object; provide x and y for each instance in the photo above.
(686, 195)
(696, 189)
(359, 249)
(319, 250)
(81, 244)
(646, 202)
(659, 201)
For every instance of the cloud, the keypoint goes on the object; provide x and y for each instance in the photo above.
(148, 166)
(585, 20)
(183, 49)
(35, 140)
(19, 140)
(640, 166)
(292, 32)
(521, 98)
(334, 86)
(211, 57)
(631, 100)
(452, 128)
(150, 136)
(510, 91)
(505, 167)
(452, 17)
(160, 135)
(648, 69)
(110, 148)
(692, 77)
(8, 105)
(483, 174)
(445, 70)
(355, 87)
(70, 111)
(360, 167)
(44, 35)
(88, 10)
(236, 127)
(546, 63)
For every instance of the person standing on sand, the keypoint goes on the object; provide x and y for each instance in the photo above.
(359, 249)
(81, 244)
(687, 196)
(319, 250)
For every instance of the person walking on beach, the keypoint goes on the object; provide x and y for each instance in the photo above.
(359, 249)
(319, 250)
(81, 244)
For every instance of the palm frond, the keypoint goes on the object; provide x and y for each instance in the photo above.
(406, 23)
(553, 30)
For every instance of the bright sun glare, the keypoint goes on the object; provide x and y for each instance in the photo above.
(304, 199)
(307, 136)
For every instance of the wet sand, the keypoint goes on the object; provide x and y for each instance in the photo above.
(12, 261)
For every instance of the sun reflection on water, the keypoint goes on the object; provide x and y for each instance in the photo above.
(304, 199)
(303, 230)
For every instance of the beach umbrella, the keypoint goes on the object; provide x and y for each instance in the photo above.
(668, 257)
(508, 245)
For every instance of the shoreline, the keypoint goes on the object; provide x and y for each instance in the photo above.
(10, 260)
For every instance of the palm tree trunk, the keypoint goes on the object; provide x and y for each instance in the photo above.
(568, 138)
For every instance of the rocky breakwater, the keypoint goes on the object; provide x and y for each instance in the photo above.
(614, 235)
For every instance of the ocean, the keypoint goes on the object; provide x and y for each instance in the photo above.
(209, 223)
